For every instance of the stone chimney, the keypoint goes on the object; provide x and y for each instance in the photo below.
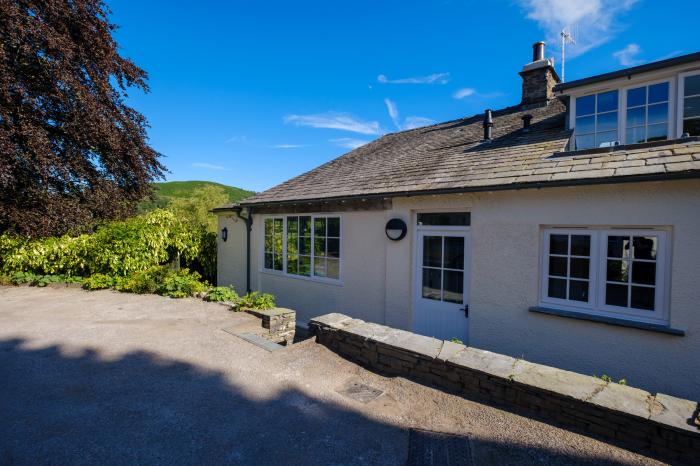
(539, 78)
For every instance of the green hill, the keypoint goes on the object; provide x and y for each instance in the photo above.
(164, 192)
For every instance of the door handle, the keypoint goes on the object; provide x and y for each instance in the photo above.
(466, 310)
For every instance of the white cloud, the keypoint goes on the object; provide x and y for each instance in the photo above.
(593, 22)
(349, 143)
(239, 140)
(333, 120)
(462, 93)
(629, 55)
(289, 146)
(413, 122)
(393, 112)
(435, 78)
(209, 166)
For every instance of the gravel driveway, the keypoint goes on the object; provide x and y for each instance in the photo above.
(109, 378)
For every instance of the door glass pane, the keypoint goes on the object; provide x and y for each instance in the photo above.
(431, 283)
(616, 295)
(557, 266)
(643, 298)
(557, 288)
(559, 244)
(432, 251)
(578, 290)
(658, 93)
(692, 85)
(454, 253)
(454, 286)
(645, 247)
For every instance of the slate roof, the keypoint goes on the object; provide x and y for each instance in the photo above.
(452, 157)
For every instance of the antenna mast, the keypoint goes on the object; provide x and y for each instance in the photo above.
(566, 38)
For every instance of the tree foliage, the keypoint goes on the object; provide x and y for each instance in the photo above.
(71, 150)
(197, 208)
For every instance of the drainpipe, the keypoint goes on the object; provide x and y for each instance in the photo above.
(248, 227)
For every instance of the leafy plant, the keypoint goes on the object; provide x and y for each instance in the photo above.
(256, 300)
(222, 294)
(181, 284)
(99, 281)
(607, 379)
(143, 281)
(457, 340)
(29, 278)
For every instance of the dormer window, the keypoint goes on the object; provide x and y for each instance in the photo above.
(647, 113)
(596, 120)
(690, 92)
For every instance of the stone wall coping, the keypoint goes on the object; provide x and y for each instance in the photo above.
(274, 312)
(665, 410)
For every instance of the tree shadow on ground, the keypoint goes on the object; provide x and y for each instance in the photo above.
(59, 407)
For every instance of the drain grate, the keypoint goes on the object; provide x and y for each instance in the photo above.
(360, 392)
(434, 448)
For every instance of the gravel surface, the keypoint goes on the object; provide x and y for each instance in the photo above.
(110, 378)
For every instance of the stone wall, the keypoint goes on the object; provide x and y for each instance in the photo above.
(638, 419)
(279, 323)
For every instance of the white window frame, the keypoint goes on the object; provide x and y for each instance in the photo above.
(622, 130)
(283, 272)
(595, 114)
(598, 273)
(679, 100)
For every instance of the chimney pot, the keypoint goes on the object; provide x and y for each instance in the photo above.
(488, 124)
(527, 118)
(538, 51)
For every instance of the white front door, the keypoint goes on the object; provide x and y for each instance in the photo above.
(441, 296)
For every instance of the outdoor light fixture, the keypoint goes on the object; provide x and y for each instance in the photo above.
(224, 234)
(396, 229)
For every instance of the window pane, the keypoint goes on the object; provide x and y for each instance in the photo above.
(617, 271)
(580, 245)
(557, 266)
(692, 127)
(333, 268)
(305, 266)
(333, 245)
(268, 243)
(585, 125)
(644, 273)
(454, 286)
(558, 244)
(334, 227)
(320, 227)
(578, 290)
(636, 116)
(279, 227)
(636, 97)
(454, 253)
(292, 264)
(607, 101)
(691, 107)
(657, 132)
(292, 225)
(605, 139)
(645, 247)
(636, 135)
(304, 226)
(692, 85)
(579, 268)
(557, 288)
(268, 226)
(658, 93)
(643, 298)
(431, 284)
(277, 258)
(618, 246)
(319, 246)
(607, 122)
(445, 218)
(320, 266)
(268, 260)
(585, 105)
(432, 251)
(292, 243)
(585, 142)
(304, 245)
(616, 295)
(658, 113)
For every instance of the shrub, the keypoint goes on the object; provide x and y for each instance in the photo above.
(222, 294)
(256, 300)
(181, 284)
(29, 278)
(99, 281)
(143, 281)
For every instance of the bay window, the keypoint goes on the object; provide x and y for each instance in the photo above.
(621, 273)
(303, 245)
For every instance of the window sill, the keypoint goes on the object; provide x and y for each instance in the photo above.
(609, 320)
(623, 147)
(323, 281)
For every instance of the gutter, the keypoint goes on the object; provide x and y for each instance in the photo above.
(248, 227)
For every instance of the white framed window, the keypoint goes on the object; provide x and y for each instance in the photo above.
(689, 103)
(596, 122)
(647, 112)
(303, 246)
(614, 272)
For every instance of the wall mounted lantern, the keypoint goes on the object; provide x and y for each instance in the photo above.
(224, 234)
(396, 229)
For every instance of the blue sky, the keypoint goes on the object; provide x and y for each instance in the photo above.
(252, 93)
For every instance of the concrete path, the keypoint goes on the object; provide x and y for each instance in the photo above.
(109, 378)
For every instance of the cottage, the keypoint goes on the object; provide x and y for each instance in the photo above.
(564, 229)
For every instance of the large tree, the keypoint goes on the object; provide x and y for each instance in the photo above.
(72, 152)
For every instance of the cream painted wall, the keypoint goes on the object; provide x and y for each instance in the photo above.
(506, 234)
